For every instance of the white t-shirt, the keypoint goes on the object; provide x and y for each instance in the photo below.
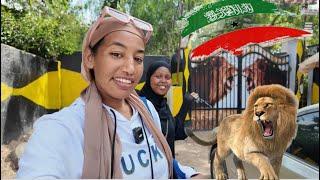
(55, 149)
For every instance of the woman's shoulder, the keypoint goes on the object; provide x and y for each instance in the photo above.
(69, 117)
(140, 92)
(154, 113)
(57, 140)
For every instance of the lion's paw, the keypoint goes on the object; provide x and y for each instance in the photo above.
(268, 174)
(241, 174)
(221, 176)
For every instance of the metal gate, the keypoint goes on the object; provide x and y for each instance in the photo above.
(225, 81)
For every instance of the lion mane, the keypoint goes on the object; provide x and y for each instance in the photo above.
(285, 126)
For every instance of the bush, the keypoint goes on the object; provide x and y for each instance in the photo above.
(46, 31)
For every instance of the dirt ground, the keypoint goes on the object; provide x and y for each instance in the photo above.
(7, 171)
(187, 153)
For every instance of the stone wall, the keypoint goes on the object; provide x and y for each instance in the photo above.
(18, 69)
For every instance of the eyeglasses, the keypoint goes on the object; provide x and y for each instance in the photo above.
(126, 18)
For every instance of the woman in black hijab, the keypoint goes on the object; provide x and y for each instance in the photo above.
(157, 84)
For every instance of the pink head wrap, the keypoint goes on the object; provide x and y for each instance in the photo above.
(97, 32)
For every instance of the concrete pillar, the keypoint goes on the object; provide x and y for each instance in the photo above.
(290, 47)
(310, 83)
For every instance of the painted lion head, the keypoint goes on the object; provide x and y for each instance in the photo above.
(262, 72)
(222, 78)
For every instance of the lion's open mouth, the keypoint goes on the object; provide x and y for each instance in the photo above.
(266, 128)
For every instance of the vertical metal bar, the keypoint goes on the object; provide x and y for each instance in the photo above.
(227, 99)
(263, 61)
(212, 108)
(235, 62)
(200, 86)
(191, 83)
(207, 72)
(248, 63)
(227, 102)
(193, 76)
(202, 74)
(209, 79)
(289, 70)
(235, 58)
(236, 95)
(222, 86)
(239, 85)
(209, 109)
(217, 91)
(197, 87)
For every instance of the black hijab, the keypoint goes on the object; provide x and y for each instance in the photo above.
(172, 128)
(157, 100)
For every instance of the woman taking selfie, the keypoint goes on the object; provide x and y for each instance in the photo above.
(107, 132)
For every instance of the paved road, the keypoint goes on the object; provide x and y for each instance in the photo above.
(192, 154)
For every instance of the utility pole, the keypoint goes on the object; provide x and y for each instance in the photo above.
(304, 54)
(305, 6)
(178, 52)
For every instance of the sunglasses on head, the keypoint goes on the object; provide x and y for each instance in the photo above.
(126, 18)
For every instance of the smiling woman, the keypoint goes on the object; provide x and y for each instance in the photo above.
(117, 65)
(158, 82)
(107, 132)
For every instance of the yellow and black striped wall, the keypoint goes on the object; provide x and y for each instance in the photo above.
(180, 79)
(32, 86)
(302, 96)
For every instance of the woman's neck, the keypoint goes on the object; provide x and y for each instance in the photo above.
(122, 106)
(157, 100)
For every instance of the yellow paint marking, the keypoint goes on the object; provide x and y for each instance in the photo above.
(72, 84)
(177, 99)
(186, 69)
(38, 91)
(6, 91)
(139, 86)
(315, 93)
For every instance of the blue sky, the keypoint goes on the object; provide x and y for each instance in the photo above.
(88, 14)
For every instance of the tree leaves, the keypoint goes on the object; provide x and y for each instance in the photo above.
(44, 28)
(53, 27)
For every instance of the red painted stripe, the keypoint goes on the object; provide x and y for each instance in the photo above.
(237, 39)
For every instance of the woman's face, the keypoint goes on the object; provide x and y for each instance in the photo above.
(160, 81)
(118, 65)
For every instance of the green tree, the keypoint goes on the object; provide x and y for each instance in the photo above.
(162, 14)
(46, 28)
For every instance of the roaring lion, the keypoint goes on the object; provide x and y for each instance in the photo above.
(260, 135)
